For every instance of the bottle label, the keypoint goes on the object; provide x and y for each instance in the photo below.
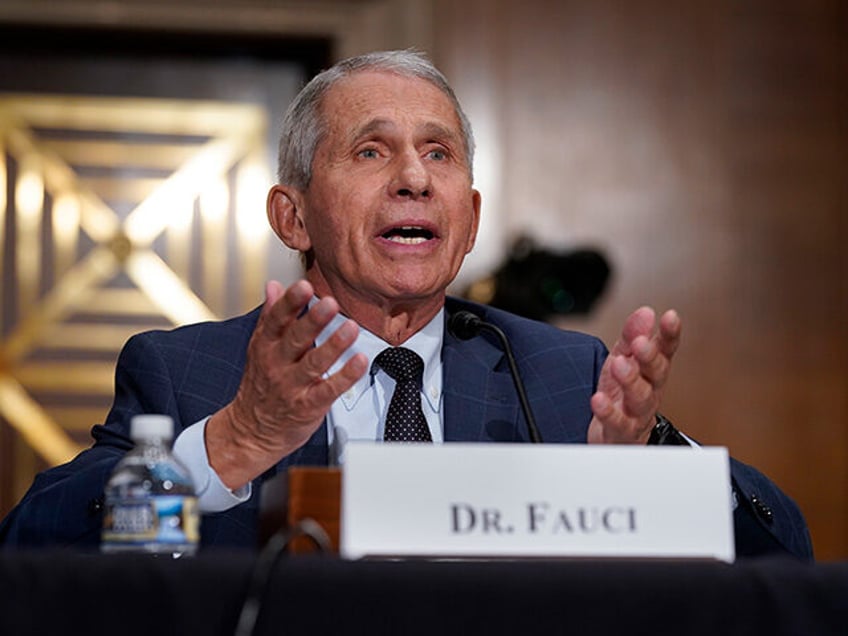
(163, 519)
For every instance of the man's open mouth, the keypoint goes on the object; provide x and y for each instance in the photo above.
(408, 235)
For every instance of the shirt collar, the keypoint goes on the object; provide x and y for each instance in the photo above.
(427, 343)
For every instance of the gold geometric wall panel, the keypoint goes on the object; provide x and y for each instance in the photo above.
(121, 215)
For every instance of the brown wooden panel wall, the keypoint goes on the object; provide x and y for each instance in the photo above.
(703, 146)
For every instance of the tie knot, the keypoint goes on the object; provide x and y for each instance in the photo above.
(402, 365)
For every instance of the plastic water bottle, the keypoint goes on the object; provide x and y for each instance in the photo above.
(150, 502)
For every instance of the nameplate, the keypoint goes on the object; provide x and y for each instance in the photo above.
(524, 500)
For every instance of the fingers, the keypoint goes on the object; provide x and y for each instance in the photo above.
(640, 323)
(631, 384)
(273, 291)
(611, 424)
(288, 328)
(669, 333)
(285, 390)
(602, 408)
(638, 394)
(315, 362)
(327, 391)
(286, 334)
(653, 365)
(654, 354)
(650, 344)
(301, 333)
(626, 395)
(281, 307)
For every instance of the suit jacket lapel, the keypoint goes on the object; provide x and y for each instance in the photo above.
(479, 398)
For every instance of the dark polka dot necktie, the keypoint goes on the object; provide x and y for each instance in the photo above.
(405, 421)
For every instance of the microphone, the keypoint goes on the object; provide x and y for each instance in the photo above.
(466, 325)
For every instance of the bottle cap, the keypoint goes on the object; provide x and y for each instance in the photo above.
(151, 426)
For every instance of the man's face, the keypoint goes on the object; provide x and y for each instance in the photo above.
(390, 212)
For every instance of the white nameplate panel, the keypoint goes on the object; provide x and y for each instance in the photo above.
(525, 500)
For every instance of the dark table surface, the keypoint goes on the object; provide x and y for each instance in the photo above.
(55, 593)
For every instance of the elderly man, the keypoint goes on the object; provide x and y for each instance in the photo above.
(375, 191)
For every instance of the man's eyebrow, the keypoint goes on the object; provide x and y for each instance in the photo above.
(438, 132)
(430, 130)
(370, 127)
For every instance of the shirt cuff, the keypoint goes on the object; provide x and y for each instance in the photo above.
(212, 494)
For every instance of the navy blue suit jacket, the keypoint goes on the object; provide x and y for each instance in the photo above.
(193, 371)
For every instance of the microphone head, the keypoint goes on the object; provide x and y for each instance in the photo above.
(465, 325)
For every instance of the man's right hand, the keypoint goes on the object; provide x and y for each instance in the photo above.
(283, 396)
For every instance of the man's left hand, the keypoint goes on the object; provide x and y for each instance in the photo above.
(633, 377)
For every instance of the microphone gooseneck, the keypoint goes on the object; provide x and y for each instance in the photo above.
(466, 325)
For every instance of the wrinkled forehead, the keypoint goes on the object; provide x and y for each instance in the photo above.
(380, 95)
(374, 100)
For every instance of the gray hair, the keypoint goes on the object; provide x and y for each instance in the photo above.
(303, 126)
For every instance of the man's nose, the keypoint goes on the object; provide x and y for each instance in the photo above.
(411, 178)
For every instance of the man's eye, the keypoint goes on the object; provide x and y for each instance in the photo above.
(368, 153)
(438, 155)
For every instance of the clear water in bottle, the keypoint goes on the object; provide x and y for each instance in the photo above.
(150, 502)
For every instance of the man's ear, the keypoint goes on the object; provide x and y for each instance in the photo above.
(285, 214)
(476, 201)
